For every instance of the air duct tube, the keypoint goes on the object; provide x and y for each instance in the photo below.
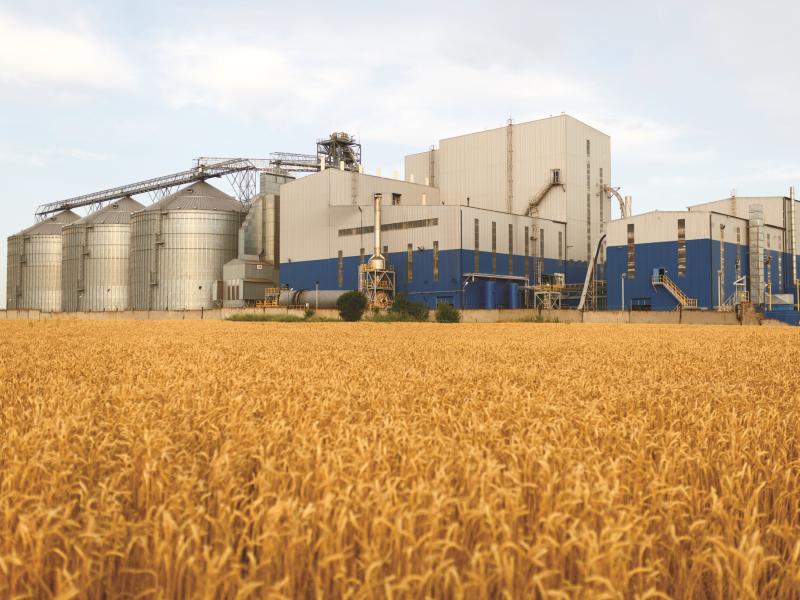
(311, 298)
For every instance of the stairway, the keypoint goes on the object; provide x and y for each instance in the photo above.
(676, 292)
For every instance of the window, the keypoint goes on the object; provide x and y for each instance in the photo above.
(477, 247)
(526, 267)
(560, 245)
(361, 255)
(341, 269)
(738, 253)
(386, 252)
(436, 261)
(588, 148)
(494, 247)
(631, 253)
(410, 263)
(681, 247)
(396, 199)
(540, 266)
(602, 202)
(722, 257)
(510, 249)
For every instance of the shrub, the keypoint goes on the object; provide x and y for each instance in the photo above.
(351, 306)
(309, 312)
(447, 313)
(405, 310)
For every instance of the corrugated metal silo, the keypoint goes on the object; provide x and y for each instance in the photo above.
(34, 265)
(95, 260)
(178, 248)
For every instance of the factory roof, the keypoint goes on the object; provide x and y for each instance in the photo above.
(197, 196)
(116, 213)
(51, 225)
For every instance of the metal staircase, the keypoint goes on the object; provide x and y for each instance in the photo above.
(660, 278)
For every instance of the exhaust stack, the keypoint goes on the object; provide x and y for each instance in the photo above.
(793, 240)
(377, 260)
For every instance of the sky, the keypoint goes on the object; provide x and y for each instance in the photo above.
(699, 98)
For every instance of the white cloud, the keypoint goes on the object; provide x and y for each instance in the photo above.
(33, 54)
(411, 97)
(42, 157)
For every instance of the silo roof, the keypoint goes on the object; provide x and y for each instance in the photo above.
(116, 213)
(51, 225)
(197, 196)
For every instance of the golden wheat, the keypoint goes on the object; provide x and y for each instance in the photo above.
(254, 460)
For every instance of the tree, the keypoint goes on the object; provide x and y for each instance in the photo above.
(447, 313)
(351, 306)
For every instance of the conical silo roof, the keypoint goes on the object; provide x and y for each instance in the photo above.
(116, 213)
(51, 225)
(197, 196)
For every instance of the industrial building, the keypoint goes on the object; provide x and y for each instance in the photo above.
(509, 217)
(713, 256)
(473, 223)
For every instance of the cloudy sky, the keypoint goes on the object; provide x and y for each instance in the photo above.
(699, 98)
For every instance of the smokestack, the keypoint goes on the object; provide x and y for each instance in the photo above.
(793, 220)
(377, 261)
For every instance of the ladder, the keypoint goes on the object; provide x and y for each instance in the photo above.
(676, 292)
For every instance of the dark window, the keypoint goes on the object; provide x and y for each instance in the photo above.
(681, 247)
(510, 249)
(410, 263)
(631, 253)
(526, 267)
(341, 269)
(477, 265)
(494, 247)
(436, 261)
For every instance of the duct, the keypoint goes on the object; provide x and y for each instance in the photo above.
(377, 260)
(792, 213)
(311, 298)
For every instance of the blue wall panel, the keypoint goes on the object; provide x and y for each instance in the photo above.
(423, 288)
(699, 282)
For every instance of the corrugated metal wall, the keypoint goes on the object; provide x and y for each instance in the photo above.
(308, 218)
(475, 166)
(418, 167)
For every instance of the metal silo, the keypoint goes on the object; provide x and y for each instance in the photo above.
(34, 265)
(178, 247)
(95, 259)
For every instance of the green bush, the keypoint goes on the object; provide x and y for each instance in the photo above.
(447, 313)
(351, 306)
(405, 310)
(271, 318)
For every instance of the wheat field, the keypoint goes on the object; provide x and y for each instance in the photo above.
(328, 460)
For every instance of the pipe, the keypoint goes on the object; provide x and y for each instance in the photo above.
(794, 237)
(377, 260)
(312, 298)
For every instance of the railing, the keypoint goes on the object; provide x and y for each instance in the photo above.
(672, 288)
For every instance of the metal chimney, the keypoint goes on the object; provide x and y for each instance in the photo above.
(377, 260)
(793, 240)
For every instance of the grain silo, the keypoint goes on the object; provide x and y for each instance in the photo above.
(95, 260)
(178, 247)
(34, 265)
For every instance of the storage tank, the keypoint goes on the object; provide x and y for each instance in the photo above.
(34, 265)
(178, 248)
(95, 259)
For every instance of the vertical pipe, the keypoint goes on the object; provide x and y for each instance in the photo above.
(794, 237)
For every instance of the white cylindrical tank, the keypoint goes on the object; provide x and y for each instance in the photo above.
(178, 248)
(95, 259)
(34, 265)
